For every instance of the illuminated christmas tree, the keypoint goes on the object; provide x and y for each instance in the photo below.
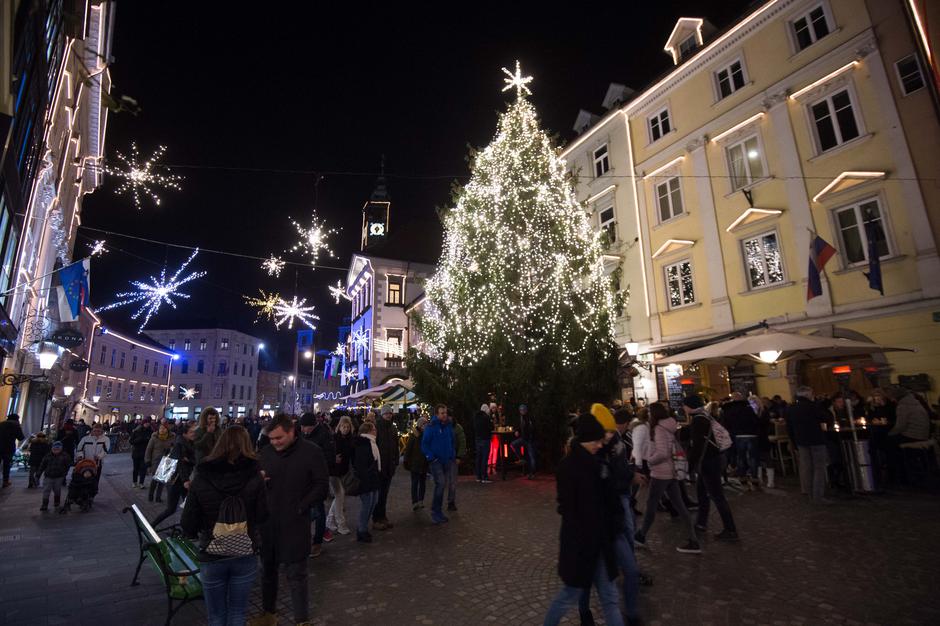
(520, 290)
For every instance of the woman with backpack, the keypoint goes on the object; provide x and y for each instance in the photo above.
(343, 438)
(660, 448)
(366, 465)
(709, 440)
(225, 506)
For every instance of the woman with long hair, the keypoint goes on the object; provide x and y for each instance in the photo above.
(160, 444)
(367, 464)
(229, 478)
(185, 454)
(343, 440)
(659, 456)
(207, 433)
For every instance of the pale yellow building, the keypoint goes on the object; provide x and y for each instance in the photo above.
(803, 117)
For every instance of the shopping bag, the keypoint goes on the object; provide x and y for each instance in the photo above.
(166, 471)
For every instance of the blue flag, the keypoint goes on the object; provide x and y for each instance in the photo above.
(73, 290)
(874, 260)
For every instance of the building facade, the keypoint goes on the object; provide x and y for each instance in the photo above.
(215, 367)
(811, 109)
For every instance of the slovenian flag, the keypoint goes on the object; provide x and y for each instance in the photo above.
(73, 289)
(819, 254)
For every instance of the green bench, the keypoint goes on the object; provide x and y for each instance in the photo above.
(175, 560)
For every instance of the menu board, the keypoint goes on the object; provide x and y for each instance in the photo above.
(672, 382)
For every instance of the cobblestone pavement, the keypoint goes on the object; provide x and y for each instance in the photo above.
(859, 561)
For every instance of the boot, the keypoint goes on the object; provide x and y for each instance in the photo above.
(770, 478)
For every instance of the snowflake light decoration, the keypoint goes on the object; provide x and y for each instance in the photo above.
(286, 311)
(188, 394)
(140, 178)
(159, 291)
(97, 249)
(360, 340)
(273, 266)
(517, 81)
(265, 304)
(340, 349)
(314, 239)
(338, 291)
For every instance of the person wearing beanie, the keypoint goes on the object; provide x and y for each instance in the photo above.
(589, 525)
(482, 431)
(705, 457)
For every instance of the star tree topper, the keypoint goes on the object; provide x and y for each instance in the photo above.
(517, 81)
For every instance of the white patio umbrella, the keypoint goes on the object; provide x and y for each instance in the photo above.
(773, 347)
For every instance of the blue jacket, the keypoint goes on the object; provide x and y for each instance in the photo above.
(437, 443)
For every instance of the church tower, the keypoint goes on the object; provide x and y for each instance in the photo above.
(375, 213)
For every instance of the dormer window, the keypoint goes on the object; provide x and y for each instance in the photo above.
(685, 39)
(688, 46)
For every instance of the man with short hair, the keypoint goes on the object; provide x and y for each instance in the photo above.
(437, 444)
(742, 423)
(482, 433)
(705, 459)
(525, 440)
(296, 476)
(386, 438)
(805, 420)
(315, 431)
(10, 433)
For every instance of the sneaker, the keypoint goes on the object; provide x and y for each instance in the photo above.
(133, 485)
(701, 528)
(316, 551)
(451, 507)
(327, 535)
(690, 547)
(639, 539)
(439, 519)
(727, 535)
(363, 537)
(343, 530)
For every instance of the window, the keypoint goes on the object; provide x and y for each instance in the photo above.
(223, 344)
(601, 161)
(221, 368)
(241, 392)
(909, 74)
(143, 393)
(172, 344)
(810, 27)
(184, 366)
(608, 224)
(198, 388)
(152, 392)
(393, 337)
(252, 350)
(834, 119)
(249, 393)
(234, 389)
(659, 125)
(687, 46)
(164, 369)
(680, 291)
(200, 366)
(113, 355)
(763, 261)
(120, 390)
(130, 393)
(217, 392)
(243, 369)
(729, 79)
(394, 290)
(134, 363)
(202, 344)
(854, 222)
(121, 365)
(187, 345)
(104, 353)
(110, 389)
(251, 370)
(98, 388)
(744, 162)
(669, 199)
(147, 367)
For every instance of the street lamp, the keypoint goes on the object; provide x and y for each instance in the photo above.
(260, 347)
(67, 390)
(95, 399)
(47, 355)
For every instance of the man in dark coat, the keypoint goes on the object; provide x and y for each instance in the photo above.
(68, 435)
(805, 421)
(742, 423)
(139, 439)
(705, 458)
(315, 430)
(296, 475)
(589, 524)
(10, 433)
(482, 432)
(386, 438)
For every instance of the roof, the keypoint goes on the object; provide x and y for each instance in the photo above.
(129, 336)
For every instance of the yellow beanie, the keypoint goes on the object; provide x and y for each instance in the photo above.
(603, 415)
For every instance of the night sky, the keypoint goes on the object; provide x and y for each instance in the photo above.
(252, 104)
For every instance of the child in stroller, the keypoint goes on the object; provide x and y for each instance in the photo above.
(84, 486)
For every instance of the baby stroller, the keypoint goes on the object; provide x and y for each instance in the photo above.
(84, 486)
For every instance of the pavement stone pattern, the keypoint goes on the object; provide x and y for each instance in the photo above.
(861, 561)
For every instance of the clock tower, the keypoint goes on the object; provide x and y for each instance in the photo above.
(375, 213)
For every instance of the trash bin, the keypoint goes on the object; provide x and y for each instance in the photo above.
(860, 468)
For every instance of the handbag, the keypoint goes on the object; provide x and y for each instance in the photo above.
(351, 483)
(166, 471)
(680, 463)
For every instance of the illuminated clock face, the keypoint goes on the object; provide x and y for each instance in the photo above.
(377, 229)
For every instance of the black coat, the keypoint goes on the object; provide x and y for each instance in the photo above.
(38, 451)
(69, 439)
(185, 455)
(214, 481)
(10, 432)
(482, 425)
(343, 446)
(365, 465)
(587, 527)
(804, 420)
(55, 465)
(205, 441)
(386, 437)
(323, 437)
(139, 439)
(702, 445)
(739, 418)
(296, 478)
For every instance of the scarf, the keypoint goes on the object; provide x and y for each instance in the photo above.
(375, 450)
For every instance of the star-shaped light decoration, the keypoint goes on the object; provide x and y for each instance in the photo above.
(340, 349)
(338, 291)
(188, 394)
(140, 177)
(286, 311)
(265, 304)
(273, 266)
(360, 341)
(350, 373)
(517, 81)
(314, 240)
(159, 291)
(97, 249)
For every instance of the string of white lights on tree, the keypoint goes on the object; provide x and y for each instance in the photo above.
(156, 293)
(285, 311)
(139, 177)
(314, 239)
(521, 264)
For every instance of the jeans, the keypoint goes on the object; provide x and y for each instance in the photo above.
(140, 470)
(55, 486)
(419, 481)
(337, 515)
(226, 585)
(318, 517)
(626, 559)
(368, 501)
(379, 514)
(570, 597)
(440, 470)
(670, 487)
(297, 579)
(6, 460)
(710, 490)
(812, 469)
(528, 447)
(748, 455)
(175, 493)
(480, 459)
(452, 483)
